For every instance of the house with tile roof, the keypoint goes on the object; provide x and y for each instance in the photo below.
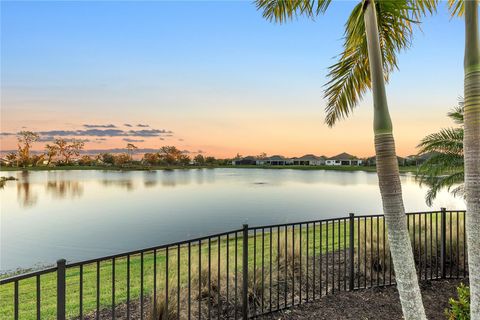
(309, 160)
(343, 159)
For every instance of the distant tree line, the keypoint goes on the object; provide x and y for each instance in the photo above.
(63, 152)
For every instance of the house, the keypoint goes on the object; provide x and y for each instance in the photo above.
(277, 160)
(249, 160)
(343, 159)
(309, 160)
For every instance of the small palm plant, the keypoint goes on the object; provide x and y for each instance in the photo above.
(444, 168)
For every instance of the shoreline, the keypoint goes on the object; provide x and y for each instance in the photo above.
(403, 169)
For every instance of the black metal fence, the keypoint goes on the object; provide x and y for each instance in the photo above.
(237, 274)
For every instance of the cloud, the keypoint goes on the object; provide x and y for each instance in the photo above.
(142, 125)
(127, 125)
(100, 132)
(99, 126)
(133, 140)
(46, 139)
(119, 150)
(104, 133)
(89, 132)
(101, 139)
(180, 139)
(162, 138)
(148, 132)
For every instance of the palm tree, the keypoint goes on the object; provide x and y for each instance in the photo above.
(471, 142)
(444, 167)
(375, 32)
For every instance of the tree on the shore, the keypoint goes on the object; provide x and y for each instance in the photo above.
(150, 159)
(107, 158)
(131, 149)
(12, 157)
(169, 155)
(375, 33)
(25, 140)
(444, 169)
(68, 149)
(199, 159)
(51, 151)
(210, 160)
(183, 159)
(262, 156)
(121, 159)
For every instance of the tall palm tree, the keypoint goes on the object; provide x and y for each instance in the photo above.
(471, 142)
(444, 167)
(375, 32)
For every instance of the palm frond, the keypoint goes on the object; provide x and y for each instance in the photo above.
(443, 182)
(421, 8)
(457, 7)
(445, 166)
(283, 10)
(350, 76)
(440, 164)
(447, 140)
(457, 112)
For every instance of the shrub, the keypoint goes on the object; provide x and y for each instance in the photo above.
(459, 309)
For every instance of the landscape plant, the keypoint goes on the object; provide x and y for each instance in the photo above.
(444, 167)
(459, 308)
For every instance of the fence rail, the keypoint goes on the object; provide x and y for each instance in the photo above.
(241, 273)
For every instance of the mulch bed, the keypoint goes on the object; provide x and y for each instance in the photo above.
(377, 303)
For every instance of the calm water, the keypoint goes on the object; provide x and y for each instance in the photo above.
(84, 214)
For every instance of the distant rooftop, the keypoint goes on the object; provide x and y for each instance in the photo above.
(343, 156)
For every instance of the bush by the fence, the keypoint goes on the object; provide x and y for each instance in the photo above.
(460, 307)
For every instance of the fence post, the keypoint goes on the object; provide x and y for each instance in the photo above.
(443, 242)
(61, 289)
(352, 251)
(245, 273)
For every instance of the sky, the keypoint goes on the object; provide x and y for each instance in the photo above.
(212, 77)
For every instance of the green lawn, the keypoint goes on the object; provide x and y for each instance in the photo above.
(367, 229)
(27, 288)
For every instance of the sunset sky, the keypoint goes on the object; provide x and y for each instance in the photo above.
(209, 76)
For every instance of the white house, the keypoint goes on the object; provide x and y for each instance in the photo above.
(309, 160)
(343, 159)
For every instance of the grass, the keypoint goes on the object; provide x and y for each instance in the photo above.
(274, 246)
(403, 169)
(27, 288)
(425, 235)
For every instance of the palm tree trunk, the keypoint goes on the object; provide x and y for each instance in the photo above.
(472, 151)
(389, 179)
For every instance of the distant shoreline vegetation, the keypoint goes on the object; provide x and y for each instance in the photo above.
(69, 154)
(403, 169)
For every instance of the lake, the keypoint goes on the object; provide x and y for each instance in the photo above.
(76, 215)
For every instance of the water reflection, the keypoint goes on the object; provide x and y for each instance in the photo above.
(85, 214)
(64, 189)
(126, 184)
(25, 195)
